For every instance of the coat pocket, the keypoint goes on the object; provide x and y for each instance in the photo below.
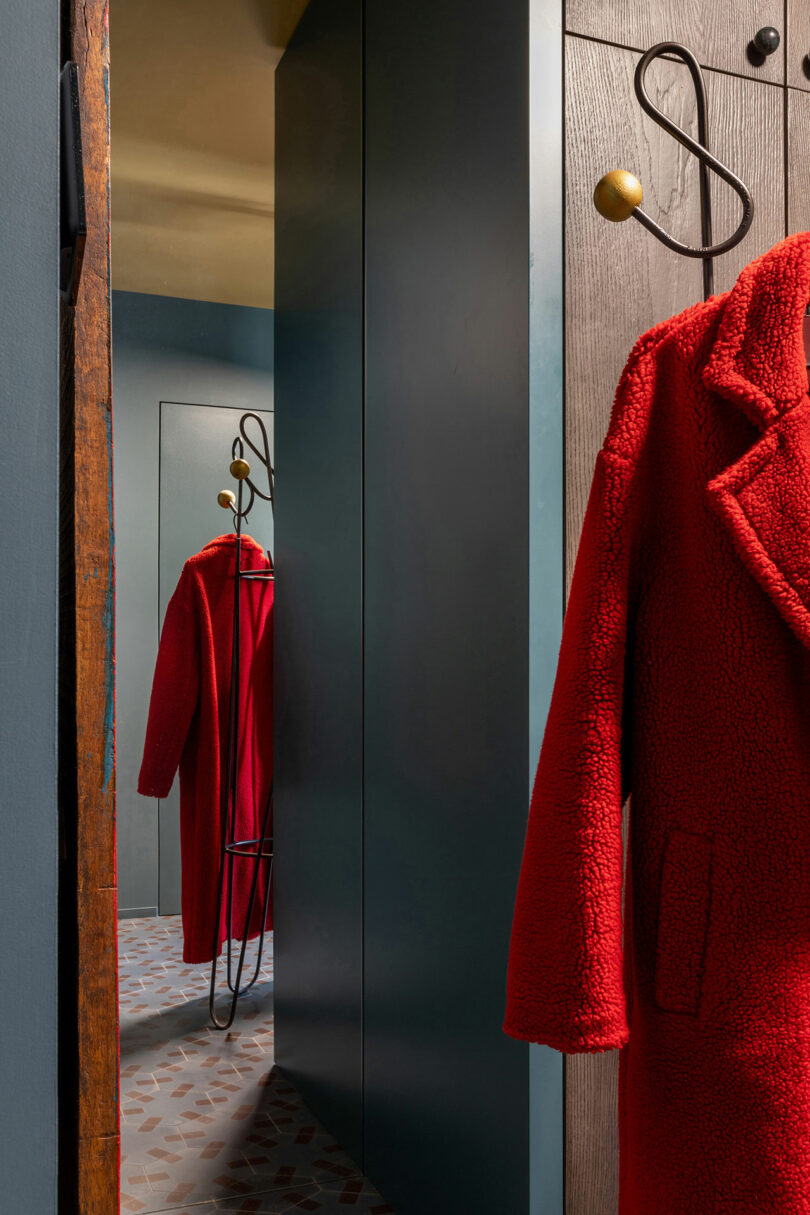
(683, 921)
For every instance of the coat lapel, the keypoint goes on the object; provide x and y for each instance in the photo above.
(758, 362)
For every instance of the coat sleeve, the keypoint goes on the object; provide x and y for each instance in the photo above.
(175, 692)
(565, 982)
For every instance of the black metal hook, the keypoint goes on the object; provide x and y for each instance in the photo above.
(618, 194)
(262, 455)
(698, 147)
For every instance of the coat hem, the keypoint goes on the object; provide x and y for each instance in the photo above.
(572, 1042)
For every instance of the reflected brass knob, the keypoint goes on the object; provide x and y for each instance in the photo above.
(617, 195)
(240, 469)
(226, 498)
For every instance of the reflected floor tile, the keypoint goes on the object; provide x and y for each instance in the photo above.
(312, 1199)
(207, 1123)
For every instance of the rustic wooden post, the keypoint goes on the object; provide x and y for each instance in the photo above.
(90, 1149)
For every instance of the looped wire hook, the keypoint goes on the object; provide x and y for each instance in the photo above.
(618, 194)
(262, 454)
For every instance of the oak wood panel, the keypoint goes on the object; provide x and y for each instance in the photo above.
(797, 44)
(619, 282)
(718, 34)
(591, 1129)
(798, 164)
(619, 279)
(87, 479)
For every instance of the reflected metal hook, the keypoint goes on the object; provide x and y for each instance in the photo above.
(618, 194)
(262, 454)
(259, 849)
(241, 471)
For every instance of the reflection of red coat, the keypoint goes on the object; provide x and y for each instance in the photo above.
(684, 680)
(188, 722)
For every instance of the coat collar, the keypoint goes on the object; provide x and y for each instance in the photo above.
(758, 358)
(228, 540)
(758, 362)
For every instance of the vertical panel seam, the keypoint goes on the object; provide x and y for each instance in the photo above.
(363, 407)
(157, 617)
(786, 119)
(564, 483)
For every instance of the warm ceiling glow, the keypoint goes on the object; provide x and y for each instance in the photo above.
(192, 145)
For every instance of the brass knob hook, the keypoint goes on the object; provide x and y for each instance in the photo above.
(617, 195)
(240, 469)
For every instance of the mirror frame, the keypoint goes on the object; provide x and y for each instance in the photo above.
(88, 1013)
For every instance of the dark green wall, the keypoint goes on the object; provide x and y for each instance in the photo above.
(402, 627)
(446, 599)
(29, 412)
(318, 593)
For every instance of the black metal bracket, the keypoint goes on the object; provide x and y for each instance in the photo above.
(618, 194)
(698, 147)
(262, 454)
(72, 213)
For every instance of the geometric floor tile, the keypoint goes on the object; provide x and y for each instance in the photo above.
(207, 1122)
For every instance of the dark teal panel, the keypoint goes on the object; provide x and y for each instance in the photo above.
(546, 509)
(29, 421)
(319, 662)
(229, 333)
(447, 599)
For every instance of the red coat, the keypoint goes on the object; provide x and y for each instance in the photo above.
(684, 681)
(188, 721)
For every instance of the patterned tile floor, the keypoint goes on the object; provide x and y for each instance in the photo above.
(207, 1123)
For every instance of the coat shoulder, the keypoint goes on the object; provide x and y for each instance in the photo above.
(213, 556)
(664, 359)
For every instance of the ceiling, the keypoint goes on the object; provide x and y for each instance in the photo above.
(192, 145)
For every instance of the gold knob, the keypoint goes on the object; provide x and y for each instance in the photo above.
(226, 498)
(617, 195)
(240, 469)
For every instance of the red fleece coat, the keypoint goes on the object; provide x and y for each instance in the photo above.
(188, 723)
(684, 681)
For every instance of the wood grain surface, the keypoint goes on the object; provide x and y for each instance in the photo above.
(798, 174)
(619, 279)
(798, 44)
(718, 34)
(619, 282)
(90, 829)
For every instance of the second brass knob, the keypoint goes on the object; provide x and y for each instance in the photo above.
(240, 469)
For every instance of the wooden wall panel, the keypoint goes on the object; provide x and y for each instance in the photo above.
(746, 124)
(797, 44)
(619, 280)
(798, 174)
(718, 34)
